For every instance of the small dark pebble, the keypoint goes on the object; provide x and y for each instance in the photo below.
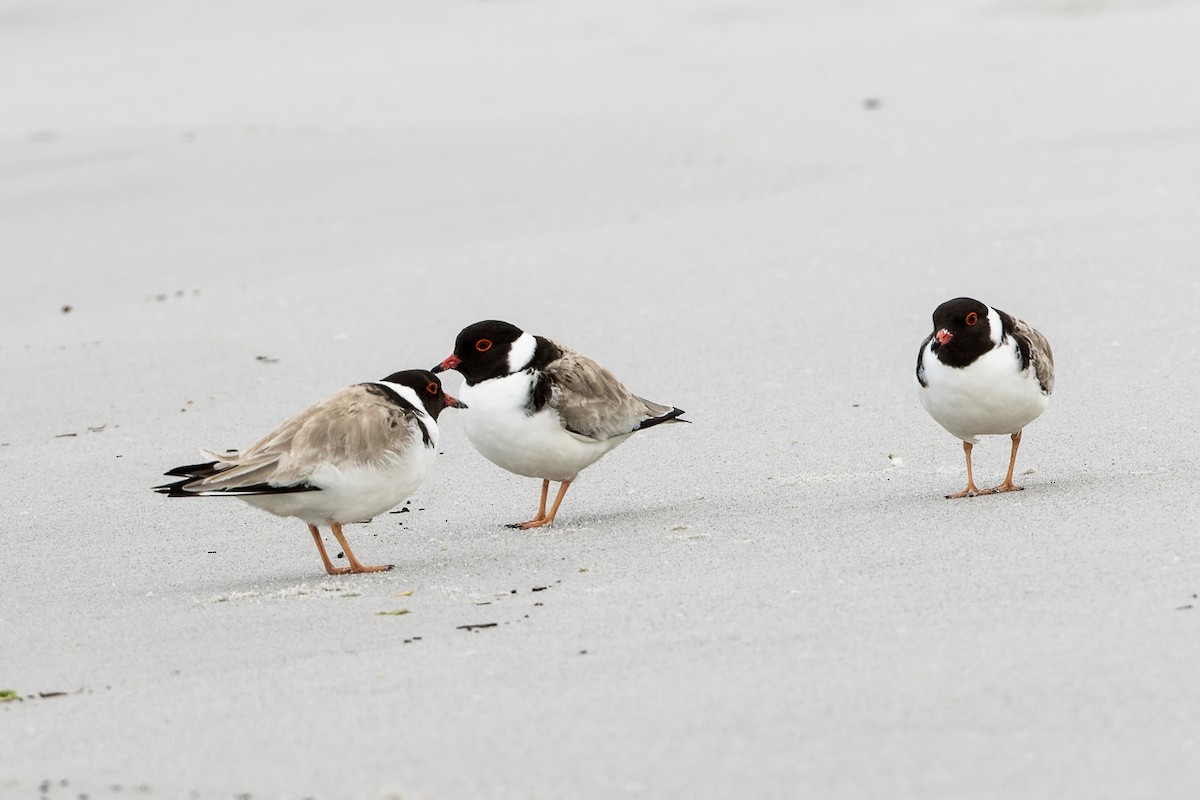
(65, 435)
(477, 626)
(514, 591)
(540, 588)
(416, 638)
(44, 787)
(67, 309)
(212, 552)
(1184, 608)
(539, 604)
(44, 695)
(266, 359)
(401, 511)
(583, 652)
(341, 555)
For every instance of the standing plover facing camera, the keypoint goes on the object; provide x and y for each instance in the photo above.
(983, 372)
(346, 459)
(539, 409)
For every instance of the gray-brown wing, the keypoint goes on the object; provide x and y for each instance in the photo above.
(1039, 352)
(358, 425)
(590, 400)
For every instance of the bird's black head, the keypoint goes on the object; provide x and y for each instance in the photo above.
(427, 388)
(961, 331)
(482, 351)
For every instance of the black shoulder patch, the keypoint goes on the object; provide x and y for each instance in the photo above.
(544, 354)
(539, 397)
(1010, 329)
(410, 411)
(425, 437)
(921, 362)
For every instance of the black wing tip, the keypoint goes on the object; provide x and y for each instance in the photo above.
(179, 489)
(189, 473)
(175, 489)
(671, 416)
(192, 470)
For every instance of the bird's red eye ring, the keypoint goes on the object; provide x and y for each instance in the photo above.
(483, 345)
(972, 318)
(431, 387)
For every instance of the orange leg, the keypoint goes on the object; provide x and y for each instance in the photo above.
(543, 519)
(562, 492)
(1008, 485)
(329, 567)
(540, 517)
(355, 564)
(971, 489)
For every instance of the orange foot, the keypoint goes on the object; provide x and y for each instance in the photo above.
(971, 491)
(533, 523)
(379, 568)
(544, 520)
(355, 565)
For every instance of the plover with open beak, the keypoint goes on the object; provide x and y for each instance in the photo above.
(540, 409)
(348, 458)
(982, 371)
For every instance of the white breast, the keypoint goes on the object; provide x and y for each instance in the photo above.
(500, 427)
(990, 396)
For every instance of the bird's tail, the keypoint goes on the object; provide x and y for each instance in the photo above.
(661, 414)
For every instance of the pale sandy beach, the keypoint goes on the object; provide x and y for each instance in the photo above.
(214, 215)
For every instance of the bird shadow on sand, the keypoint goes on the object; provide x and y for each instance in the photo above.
(651, 517)
(316, 583)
